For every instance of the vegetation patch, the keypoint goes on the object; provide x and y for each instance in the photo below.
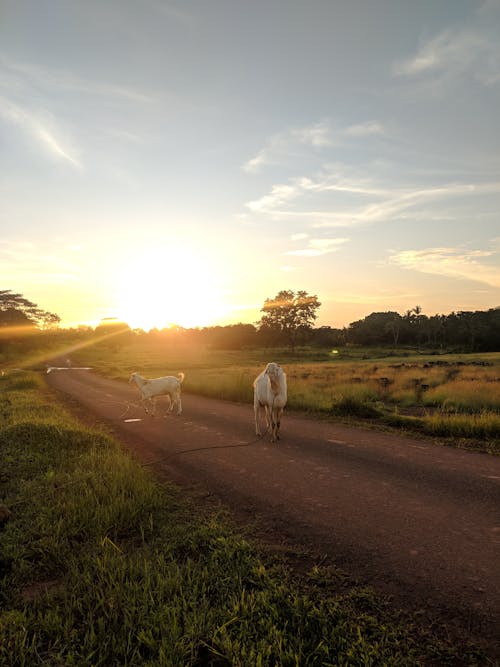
(102, 565)
(350, 407)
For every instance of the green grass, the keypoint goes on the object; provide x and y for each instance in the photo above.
(102, 565)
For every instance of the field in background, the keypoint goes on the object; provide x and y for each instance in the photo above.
(455, 396)
(101, 565)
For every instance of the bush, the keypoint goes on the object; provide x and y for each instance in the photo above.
(350, 407)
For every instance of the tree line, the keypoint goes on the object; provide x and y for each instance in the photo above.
(288, 320)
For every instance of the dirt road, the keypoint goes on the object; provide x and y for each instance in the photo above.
(413, 519)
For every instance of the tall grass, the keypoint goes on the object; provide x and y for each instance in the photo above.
(466, 396)
(101, 565)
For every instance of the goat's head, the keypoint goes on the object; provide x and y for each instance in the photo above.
(132, 377)
(272, 369)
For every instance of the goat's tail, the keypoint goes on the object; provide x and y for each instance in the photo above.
(181, 377)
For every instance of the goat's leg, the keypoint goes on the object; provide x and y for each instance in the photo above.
(169, 405)
(256, 409)
(152, 404)
(272, 425)
(269, 419)
(279, 412)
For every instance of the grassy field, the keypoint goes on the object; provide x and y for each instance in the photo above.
(102, 565)
(447, 396)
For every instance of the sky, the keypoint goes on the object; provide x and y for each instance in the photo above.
(180, 162)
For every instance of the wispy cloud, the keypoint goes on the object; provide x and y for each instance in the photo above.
(396, 205)
(279, 195)
(318, 247)
(38, 130)
(456, 53)
(364, 202)
(38, 99)
(283, 145)
(29, 74)
(451, 262)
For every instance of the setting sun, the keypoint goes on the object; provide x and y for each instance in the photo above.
(169, 287)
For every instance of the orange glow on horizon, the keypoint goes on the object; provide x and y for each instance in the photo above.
(18, 329)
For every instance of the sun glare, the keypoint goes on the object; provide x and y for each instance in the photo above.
(169, 288)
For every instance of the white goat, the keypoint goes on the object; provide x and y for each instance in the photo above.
(270, 393)
(165, 386)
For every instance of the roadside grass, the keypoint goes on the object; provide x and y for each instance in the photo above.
(102, 565)
(455, 397)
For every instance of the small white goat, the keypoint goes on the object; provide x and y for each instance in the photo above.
(165, 386)
(270, 393)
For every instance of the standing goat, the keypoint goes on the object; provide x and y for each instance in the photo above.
(270, 393)
(165, 386)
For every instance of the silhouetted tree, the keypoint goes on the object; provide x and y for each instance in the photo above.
(376, 329)
(326, 336)
(465, 330)
(290, 315)
(16, 310)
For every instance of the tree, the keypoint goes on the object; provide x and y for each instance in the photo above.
(15, 310)
(376, 329)
(290, 315)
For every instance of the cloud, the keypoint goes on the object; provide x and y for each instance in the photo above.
(456, 53)
(366, 129)
(318, 247)
(279, 195)
(30, 75)
(360, 201)
(281, 147)
(37, 129)
(396, 205)
(450, 262)
(28, 91)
